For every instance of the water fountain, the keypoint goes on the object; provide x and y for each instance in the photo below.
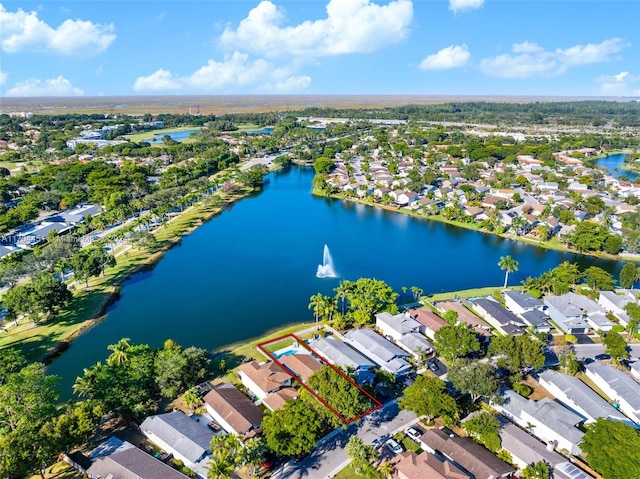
(326, 270)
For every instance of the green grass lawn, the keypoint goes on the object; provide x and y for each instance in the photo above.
(60, 470)
(34, 341)
(350, 473)
(466, 293)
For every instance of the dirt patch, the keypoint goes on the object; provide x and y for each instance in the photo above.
(538, 391)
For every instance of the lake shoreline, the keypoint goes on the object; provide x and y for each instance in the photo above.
(528, 241)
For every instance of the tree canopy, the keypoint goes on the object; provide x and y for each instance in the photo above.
(456, 341)
(428, 396)
(608, 446)
(291, 430)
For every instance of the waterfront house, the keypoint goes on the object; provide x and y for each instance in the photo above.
(340, 354)
(551, 422)
(529, 309)
(618, 386)
(465, 316)
(182, 436)
(233, 410)
(263, 379)
(301, 365)
(395, 326)
(493, 313)
(126, 461)
(37, 234)
(429, 321)
(526, 450)
(409, 465)
(380, 350)
(580, 398)
(463, 452)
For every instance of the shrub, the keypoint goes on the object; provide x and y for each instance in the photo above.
(571, 339)
(522, 389)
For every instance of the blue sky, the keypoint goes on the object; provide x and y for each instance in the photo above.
(403, 47)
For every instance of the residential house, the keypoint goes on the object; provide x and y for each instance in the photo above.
(618, 386)
(395, 326)
(493, 313)
(38, 234)
(635, 370)
(576, 314)
(546, 419)
(185, 438)
(78, 214)
(579, 397)
(404, 198)
(416, 344)
(340, 354)
(528, 308)
(277, 400)
(614, 303)
(465, 316)
(7, 250)
(380, 350)
(526, 450)
(127, 462)
(409, 465)
(301, 365)
(233, 410)
(263, 379)
(465, 453)
(429, 321)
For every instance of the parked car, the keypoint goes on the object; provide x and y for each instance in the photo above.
(394, 446)
(603, 357)
(434, 366)
(414, 433)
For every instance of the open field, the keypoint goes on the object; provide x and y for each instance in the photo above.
(221, 104)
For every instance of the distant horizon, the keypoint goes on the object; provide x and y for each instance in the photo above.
(243, 103)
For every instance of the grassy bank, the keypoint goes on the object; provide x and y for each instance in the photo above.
(138, 137)
(39, 342)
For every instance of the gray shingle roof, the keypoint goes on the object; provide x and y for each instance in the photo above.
(624, 386)
(524, 300)
(502, 315)
(579, 397)
(384, 352)
(530, 450)
(573, 305)
(401, 323)
(132, 463)
(536, 318)
(186, 436)
(413, 341)
(340, 353)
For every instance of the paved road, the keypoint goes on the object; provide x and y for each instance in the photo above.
(329, 457)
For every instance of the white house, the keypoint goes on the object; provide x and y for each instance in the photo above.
(185, 438)
(551, 422)
(614, 303)
(618, 386)
(396, 326)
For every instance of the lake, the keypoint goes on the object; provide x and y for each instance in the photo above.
(253, 268)
(175, 135)
(613, 162)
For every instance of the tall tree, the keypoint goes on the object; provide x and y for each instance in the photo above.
(508, 265)
(368, 296)
(428, 397)
(615, 345)
(607, 445)
(598, 279)
(518, 353)
(291, 430)
(361, 454)
(476, 378)
(484, 427)
(628, 275)
(455, 341)
(539, 470)
(633, 311)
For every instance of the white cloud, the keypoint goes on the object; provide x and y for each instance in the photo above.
(24, 31)
(159, 80)
(3, 77)
(236, 72)
(450, 57)
(351, 26)
(529, 59)
(622, 84)
(464, 5)
(52, 87)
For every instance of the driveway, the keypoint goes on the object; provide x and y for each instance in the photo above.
(592, 350)
(329, 456)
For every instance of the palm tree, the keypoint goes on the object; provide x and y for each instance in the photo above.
(386, 468)
(509, 265)
(120, 354)
(316, 303)
(343, 290)
(192, 399)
